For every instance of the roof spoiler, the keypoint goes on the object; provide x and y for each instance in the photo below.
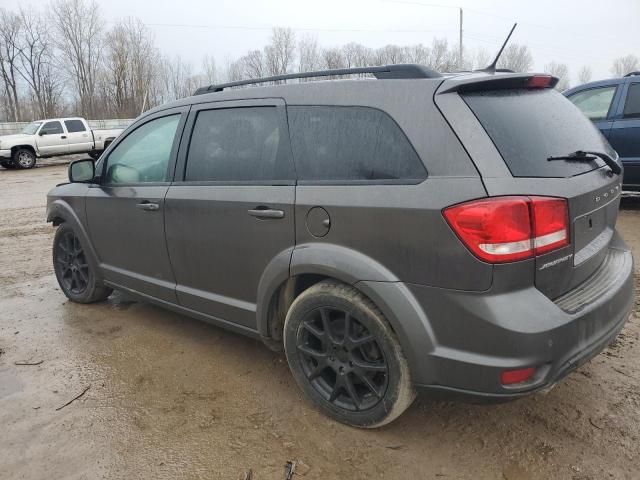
(499, 82)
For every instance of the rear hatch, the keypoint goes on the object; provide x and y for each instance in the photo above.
(526, 127)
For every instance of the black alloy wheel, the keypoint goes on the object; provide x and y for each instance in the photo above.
(342, 360)
(71, 264)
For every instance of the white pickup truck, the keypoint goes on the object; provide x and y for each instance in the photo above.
(51, 138)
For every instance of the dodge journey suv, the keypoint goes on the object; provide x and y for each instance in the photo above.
(410, 231)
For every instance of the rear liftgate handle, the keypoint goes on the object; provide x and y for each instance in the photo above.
(263, 211)
(148, 206)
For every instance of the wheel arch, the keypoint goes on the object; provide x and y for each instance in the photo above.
(58, 212)
(312, 263)
(31, 148)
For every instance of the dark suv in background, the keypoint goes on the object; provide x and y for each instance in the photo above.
(614, 106)
(410, 231)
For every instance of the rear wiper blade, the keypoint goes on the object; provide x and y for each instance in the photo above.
(587, 156)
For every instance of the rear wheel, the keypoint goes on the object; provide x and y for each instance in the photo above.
(73, 270)
(345, 357)
(23, 158)
(95, 154)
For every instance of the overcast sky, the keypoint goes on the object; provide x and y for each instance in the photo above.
(587, 32)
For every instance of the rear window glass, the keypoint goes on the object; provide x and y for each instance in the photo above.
(74, 126)
(354, 144)
(529, 126)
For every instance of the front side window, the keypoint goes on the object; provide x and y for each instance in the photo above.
(74, 126)
(52, 128)
(361, 144)
(594, 103)
(143, 156)
(632, 104)
(238, 144)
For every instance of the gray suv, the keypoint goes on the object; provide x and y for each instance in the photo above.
(411, 231)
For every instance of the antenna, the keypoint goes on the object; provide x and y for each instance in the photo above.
(492, 68)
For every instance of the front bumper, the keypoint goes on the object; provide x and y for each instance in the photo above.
(5, 154)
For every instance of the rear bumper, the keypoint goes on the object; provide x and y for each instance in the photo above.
(474, 336)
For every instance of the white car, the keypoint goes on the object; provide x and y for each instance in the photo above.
(51, 138)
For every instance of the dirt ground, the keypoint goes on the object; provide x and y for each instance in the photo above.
(172, 398)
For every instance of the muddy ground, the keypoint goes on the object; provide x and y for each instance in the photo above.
(170, 397)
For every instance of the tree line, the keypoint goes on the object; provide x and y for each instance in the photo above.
(63, 60)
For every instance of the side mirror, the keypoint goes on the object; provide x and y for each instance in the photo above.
(42, 132)
(82, 171)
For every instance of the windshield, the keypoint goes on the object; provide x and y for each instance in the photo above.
(529, 126)
(32, 128)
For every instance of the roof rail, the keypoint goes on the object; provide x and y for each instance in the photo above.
(397, 71)
(632, 74)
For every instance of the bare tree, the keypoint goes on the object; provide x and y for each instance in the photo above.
(280, 52)
(480, 59)
(37, 64)
(130, 68)
(177, 78)
(78, 27)
(416, 54)
(308, 54)
(210, 70)
(389, 54)
(623, 65)
(584, 74)
(560, 70)
(10, 32)
(332, 58)
(253, 64)
(441, 58)
(517, 58)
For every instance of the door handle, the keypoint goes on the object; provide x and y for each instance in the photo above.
(148, 206)
(63, 137)
(266, 212)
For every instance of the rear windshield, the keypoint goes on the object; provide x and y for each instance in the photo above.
(529, 126)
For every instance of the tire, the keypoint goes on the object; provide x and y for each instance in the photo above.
(8, 165)
(95, 154)
(361, 379)
(73, 269)
(24, 159)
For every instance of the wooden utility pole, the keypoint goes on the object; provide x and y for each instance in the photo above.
(461, 63)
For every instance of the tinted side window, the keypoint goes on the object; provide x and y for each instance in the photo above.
(632, 104)
(74, 126)
(52, 128)
(594, 103)
(350, 144)
(143, 156)
(238, 144)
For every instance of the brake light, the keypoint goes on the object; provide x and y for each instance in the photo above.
(507, 229)
(539, 81)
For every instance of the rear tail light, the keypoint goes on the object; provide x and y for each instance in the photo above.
(507, 229)
(510, 377)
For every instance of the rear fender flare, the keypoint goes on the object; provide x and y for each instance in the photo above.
(373, 279)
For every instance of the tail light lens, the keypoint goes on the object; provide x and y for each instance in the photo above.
(507, 229)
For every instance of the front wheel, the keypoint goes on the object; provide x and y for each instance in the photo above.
(24, 158)
(345, 356)
(73, 270)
